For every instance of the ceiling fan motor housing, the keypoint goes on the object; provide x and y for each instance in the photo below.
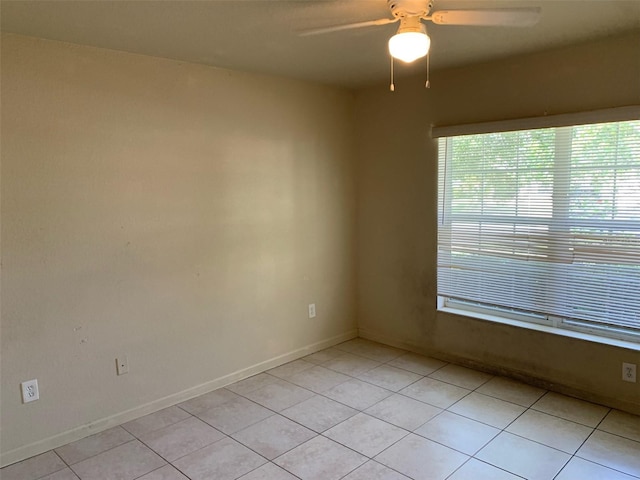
(409, 8)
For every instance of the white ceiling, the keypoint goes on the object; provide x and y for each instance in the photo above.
(262, 35)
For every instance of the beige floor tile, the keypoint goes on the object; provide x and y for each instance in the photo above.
(65, 474)
(357, 394)
(235, 415)
(223, 460)
(461, 376)
(551, 431)
(320, 459)
(389, 377)
(88, 447)
(417, 363)
(421, 459)
(155, 421)
(323, 355)
(279, 395)
(273, 436)
(268, 471)
(374, 351)
(168, 472)
(368, 416)
(252, 383)
(489, 410)
(617, 453)
(318, 379)
(365, 434)
(291, 368)
(208, 400)
(374, 471)
(33, 468)
(477, 470)
(181, 438)
(404, 412)
(319, 413)
(350, 364)
(435, 392)
(579, 469)
(125, 462)
(523, 457)
(457, 432)
(623, 424)
(569, 408)
(511, 391)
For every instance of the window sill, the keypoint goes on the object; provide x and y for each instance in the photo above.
(544, 328)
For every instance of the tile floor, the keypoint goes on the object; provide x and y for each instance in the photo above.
(359, 411)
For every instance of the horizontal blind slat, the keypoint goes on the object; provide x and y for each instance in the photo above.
(544, 220)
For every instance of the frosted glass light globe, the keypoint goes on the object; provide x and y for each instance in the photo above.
(409, 46)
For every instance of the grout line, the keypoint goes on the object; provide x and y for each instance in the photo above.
(156, 469)
(540, 443)
(350, 377)
(617, 435)
(134, 439)
(63, 461)
(605, 466)
(198, 449)
(486, 463)
(563, 467)
(48, 473)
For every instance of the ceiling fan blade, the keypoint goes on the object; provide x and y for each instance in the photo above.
(507, 17)
(349, 26)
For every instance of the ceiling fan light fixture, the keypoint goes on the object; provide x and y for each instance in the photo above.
(409, 46)
(411, 42)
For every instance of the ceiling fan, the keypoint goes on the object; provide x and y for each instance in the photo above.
(411, 41)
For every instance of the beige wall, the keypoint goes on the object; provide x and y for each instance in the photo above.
(185, 216)
(397, 186)
(178, 214)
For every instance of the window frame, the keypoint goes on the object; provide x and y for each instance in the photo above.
(544, 322)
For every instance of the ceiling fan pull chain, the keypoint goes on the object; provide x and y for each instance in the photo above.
(428, 83)
(392, 87)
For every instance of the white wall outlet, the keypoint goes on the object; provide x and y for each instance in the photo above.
(30, 392)
(629, 372)
(122, 365)
(312, 310)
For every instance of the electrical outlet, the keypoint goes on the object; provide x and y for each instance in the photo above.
(629, 372)
(122, 365)
(312, 310)
(30, 391)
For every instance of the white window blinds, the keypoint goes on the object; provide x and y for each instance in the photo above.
(544, 223)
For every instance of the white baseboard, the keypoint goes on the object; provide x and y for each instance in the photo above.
(97, 426)
(506, 371)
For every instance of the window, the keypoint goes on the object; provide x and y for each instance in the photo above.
(543, 225)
